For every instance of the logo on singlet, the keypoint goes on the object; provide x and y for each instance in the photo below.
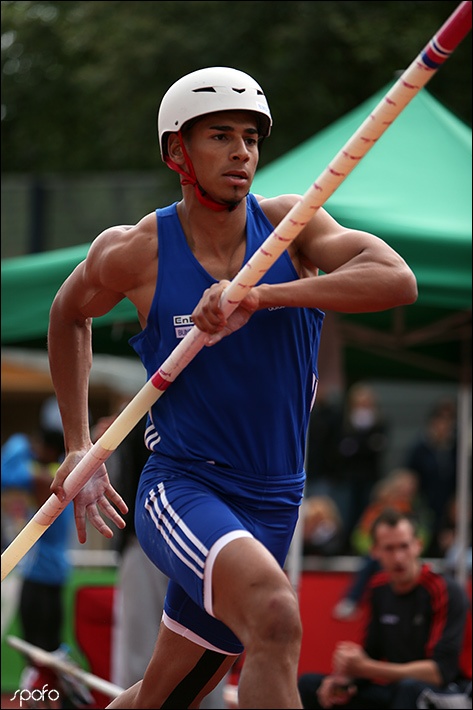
(182, 325)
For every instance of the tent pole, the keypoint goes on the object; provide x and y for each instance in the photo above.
(463, 500)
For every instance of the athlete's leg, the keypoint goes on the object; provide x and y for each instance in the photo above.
(219, 573)
(179, 675)
(253, 596)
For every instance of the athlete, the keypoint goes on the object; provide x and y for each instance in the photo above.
(218, 499)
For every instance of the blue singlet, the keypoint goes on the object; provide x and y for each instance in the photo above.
(228, 443)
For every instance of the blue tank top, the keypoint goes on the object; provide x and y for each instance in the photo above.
(244, 403)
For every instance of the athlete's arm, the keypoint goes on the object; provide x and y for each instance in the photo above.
(81, 297)
(361, 274)
(93, 289)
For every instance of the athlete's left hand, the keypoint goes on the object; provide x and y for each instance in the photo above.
(96, 497)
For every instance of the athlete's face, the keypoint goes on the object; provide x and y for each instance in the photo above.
(223, 148)
(397, 549)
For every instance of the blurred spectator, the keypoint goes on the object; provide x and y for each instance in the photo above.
(362, 442)
(29, 464)
(399, 491)
(345, 445)
(414, 638)
(433, 456)
(322, 447)
(322, 526)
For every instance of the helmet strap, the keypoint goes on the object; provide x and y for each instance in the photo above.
(190, 178)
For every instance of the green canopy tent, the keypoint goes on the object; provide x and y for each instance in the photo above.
(29, 284)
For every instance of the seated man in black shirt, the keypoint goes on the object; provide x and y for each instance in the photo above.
(413, 638)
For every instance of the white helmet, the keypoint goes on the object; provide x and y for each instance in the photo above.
(206, 91)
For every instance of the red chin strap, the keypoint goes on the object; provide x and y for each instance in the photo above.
(189, 178)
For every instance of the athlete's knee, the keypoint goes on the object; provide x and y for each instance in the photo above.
(277, 618)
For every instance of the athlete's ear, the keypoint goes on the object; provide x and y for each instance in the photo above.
(175, 148)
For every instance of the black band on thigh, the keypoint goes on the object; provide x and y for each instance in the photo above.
(190, 686)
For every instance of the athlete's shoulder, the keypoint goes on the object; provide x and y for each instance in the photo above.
(123, 249)
(124, 238)
(124, 233)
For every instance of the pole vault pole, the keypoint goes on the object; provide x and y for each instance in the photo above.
(44, 658)
(412, 80)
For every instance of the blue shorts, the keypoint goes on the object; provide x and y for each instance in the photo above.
(183, 519)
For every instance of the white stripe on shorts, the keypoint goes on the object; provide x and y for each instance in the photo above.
(214, 550)
(158, 508)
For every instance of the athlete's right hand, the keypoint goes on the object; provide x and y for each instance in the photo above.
(95, 497)
(208, 315)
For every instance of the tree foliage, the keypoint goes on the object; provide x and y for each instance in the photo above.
(81, 81)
